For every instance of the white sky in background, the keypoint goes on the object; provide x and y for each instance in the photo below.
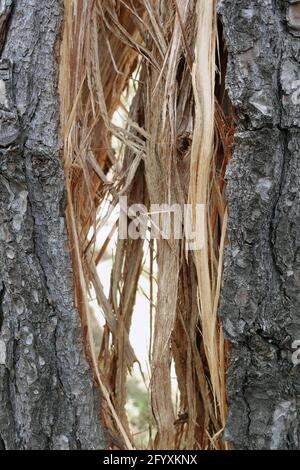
(140, 328)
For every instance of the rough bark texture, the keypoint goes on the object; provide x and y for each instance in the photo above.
(47, 397)
(260, 305)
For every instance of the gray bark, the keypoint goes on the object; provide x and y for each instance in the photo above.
(260, 306)
(47, 396)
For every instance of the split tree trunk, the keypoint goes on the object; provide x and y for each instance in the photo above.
(260, 305)
(47, 397)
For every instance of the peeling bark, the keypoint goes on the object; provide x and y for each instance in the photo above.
(47, 396)
(260, 306)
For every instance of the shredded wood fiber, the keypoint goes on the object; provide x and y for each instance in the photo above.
(173, 149)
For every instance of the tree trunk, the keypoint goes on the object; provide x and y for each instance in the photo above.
(260, 305)
(47, 397)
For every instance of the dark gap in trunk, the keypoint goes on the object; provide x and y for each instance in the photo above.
(2, 444)
(2, 292)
